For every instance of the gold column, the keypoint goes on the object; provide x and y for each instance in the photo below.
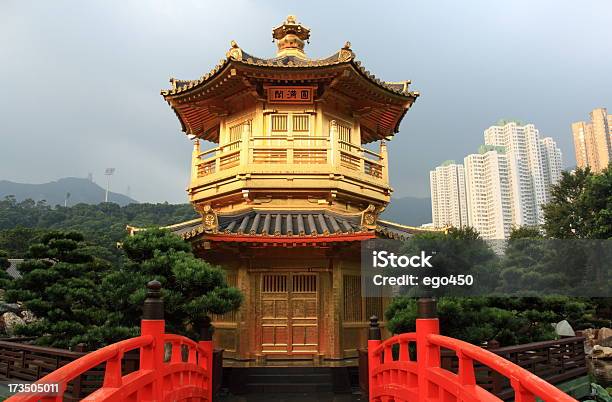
(335, 346)
(335, 145)
(195, 159)
(384, 159)
(245, 326)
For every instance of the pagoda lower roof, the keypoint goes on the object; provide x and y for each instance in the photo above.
(291, 224)
(257, 226)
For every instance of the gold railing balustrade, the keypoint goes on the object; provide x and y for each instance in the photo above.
(281, 149)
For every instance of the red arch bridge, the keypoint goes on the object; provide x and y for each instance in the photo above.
(394, 376)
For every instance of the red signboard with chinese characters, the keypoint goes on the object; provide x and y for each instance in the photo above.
(290, 94)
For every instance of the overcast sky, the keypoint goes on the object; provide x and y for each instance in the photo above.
(81, 79)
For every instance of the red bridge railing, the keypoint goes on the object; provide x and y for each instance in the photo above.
(394, 376)
(185, 376)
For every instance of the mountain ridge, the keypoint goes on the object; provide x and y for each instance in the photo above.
(54, 193)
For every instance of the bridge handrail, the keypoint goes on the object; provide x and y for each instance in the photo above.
(400, 339)
(518, 376)
(75, 368)
(183, 377)
(425, 380)
(183, 340)
(536, 345)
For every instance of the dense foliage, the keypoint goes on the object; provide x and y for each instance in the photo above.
(92, 292)
(581, 206)
(533, 264)
(16, 241)
(103, 224)
(60, 285)
(456, 252)
(508, 320)
(528, 260)
(191, 287)
(4, 264)
(81, 298)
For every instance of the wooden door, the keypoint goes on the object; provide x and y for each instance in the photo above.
(274, 313)
(304, 313)
(289, 313)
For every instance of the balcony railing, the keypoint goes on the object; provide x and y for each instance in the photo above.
(296, 150)
(362, 159)
(280, 149)
(223, 157)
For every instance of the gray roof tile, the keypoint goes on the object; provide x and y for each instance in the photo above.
(288, 223)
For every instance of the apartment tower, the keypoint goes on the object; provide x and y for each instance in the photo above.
(506, 182)
(448, 200)
(488, 192)
(530, 159)
(592, 140)
(552, 163)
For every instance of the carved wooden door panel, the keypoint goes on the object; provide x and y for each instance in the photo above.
(304, 313)
(275, 313)
(290, 311)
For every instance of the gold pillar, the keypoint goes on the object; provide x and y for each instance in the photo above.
(336, 348)
(195, 159)
(384, 159)
(245, 324)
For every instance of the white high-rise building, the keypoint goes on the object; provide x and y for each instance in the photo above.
(488, 192)
(448, 201)
(506, 183)
(534, 164)
(552, 163)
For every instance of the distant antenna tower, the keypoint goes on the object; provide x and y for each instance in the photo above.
(129, 192)
(90, 177)
(108, 173)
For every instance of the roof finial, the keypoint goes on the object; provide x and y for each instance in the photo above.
(290, 37)
(234, 52)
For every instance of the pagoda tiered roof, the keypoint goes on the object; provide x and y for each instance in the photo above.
(343, 56)
(240, 79)
(291, 226)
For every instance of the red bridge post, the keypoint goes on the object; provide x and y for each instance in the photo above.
(424, 380)
(428, 354)
(374, 340)
(207, 344)
(153, 323)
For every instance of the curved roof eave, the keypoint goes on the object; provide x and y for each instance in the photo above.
(344, 56)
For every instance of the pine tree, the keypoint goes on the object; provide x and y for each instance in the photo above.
(4, 264)
(192, 288)
(509, 320)
(60, 285)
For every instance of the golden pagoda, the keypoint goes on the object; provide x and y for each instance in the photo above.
(288, 191)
